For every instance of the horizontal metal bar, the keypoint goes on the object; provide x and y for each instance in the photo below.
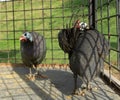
(53, 8)
(113, 82)
(108, 17)
(113, 66)
(104, 4)
(115, 50)
(31, 30)
(25, 19)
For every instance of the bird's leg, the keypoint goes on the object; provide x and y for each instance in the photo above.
(30, 76)
(75, 91)
(90, 87)
(30, 72)
(38, 74)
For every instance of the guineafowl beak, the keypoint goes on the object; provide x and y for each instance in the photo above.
(23, 38)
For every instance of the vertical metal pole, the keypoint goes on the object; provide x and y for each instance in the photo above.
(43, 21)
(101, 15)
(14, 31)
(32, 15)
(92, 16)
(7, 33)
(108, 20)
(64, 26)
(118, 30)
(24, 15)
(101, 23)
(0, 18)
(51, 30)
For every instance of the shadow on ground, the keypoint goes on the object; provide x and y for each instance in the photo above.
(60, 84)
(37, 89)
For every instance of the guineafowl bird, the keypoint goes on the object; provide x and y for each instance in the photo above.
(67, 37)
(33, 51)
(86, 49)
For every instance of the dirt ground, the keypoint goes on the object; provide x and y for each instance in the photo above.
(14, 85)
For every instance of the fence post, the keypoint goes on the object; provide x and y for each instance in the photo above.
(92, 15)
(118, 30)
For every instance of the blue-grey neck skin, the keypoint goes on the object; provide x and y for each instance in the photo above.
(28, 36)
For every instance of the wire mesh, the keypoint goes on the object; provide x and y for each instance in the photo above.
(47, 17)
(107, 22)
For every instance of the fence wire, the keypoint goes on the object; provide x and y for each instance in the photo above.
(47, 17)
(107, 21)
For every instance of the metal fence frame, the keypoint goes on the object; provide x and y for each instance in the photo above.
(92, 16)
(93, 23)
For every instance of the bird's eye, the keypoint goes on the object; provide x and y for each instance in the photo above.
(25, 34)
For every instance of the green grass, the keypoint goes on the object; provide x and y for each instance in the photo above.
(46, 22)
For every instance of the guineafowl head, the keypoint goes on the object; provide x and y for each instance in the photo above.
(26, 36)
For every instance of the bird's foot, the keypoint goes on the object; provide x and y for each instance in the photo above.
(30, 77)
(79, 92)
(90, 87)
(75, 92)
(82, 90)
(38, 75)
